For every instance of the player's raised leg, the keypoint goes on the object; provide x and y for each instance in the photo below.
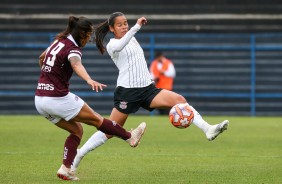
(211, 131)
(172, 98)
(99, 138)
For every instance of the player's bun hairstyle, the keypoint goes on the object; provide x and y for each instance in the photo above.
(102, 29)
(78, 27)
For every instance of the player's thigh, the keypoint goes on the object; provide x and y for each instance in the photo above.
(118, 117)
(71, 126)
(88, 116)
(167, 99)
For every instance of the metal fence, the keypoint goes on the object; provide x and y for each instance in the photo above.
(257, 51)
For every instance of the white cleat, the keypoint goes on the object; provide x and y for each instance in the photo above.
(66, 174)
(215, 130)
(76, 161)
(136, 135)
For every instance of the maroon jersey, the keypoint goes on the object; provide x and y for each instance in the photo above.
(56, 70)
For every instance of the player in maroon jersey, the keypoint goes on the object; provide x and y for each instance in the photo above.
(55, 102)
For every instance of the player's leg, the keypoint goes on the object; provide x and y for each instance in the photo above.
(172, 98)
(126, 101)
(123, 106)
(88, 116)
(70, 148)
(98, 138)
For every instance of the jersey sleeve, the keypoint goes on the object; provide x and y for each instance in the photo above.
(74, 51)
(116, 45)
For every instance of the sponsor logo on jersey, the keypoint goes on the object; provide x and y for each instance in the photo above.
(43, 86)
(46, 68)
(123, 105)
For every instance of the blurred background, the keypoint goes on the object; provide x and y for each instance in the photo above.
(227, 54)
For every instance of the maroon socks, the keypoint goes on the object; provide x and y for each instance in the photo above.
(70, 149)
(72, 142)
(112, 128)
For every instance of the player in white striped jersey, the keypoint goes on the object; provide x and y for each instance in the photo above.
(135, 87)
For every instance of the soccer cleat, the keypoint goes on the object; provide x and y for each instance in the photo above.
(136, 135)
(76, 161)
(65, 174)
(215, 130)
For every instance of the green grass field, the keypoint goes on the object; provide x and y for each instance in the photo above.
(250, 151)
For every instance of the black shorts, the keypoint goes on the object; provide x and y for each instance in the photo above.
(129, 100)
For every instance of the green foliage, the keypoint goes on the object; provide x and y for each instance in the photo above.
(248, 152)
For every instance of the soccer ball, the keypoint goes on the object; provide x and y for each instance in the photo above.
(181, 115)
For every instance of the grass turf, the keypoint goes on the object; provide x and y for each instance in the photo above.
(250, 151)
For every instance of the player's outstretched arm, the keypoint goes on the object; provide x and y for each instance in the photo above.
(82, 73)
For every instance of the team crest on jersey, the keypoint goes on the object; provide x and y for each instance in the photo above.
(123, 105)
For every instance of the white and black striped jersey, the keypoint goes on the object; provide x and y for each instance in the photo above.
(129, 58)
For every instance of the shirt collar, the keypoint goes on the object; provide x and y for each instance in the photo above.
(71, 39)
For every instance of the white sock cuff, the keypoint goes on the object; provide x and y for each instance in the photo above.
(199, 121)
(102, 135)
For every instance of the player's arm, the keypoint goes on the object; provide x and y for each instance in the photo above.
(41, 58)
(118, 45)
(82, 73)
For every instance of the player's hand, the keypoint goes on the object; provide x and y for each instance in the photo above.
(96, 85)
(141, 21)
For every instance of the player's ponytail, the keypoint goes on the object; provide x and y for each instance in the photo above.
(100, 32)
(78, 27)
(102, 29)
(71, 25)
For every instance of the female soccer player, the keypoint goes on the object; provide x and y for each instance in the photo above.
(135, 88)
(56, 103)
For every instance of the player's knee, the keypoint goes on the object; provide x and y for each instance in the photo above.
(78, 132)
(95, 120)
(180, 99)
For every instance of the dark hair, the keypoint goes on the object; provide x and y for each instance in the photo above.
(78, 27)
(158, 54)
(102, 29)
